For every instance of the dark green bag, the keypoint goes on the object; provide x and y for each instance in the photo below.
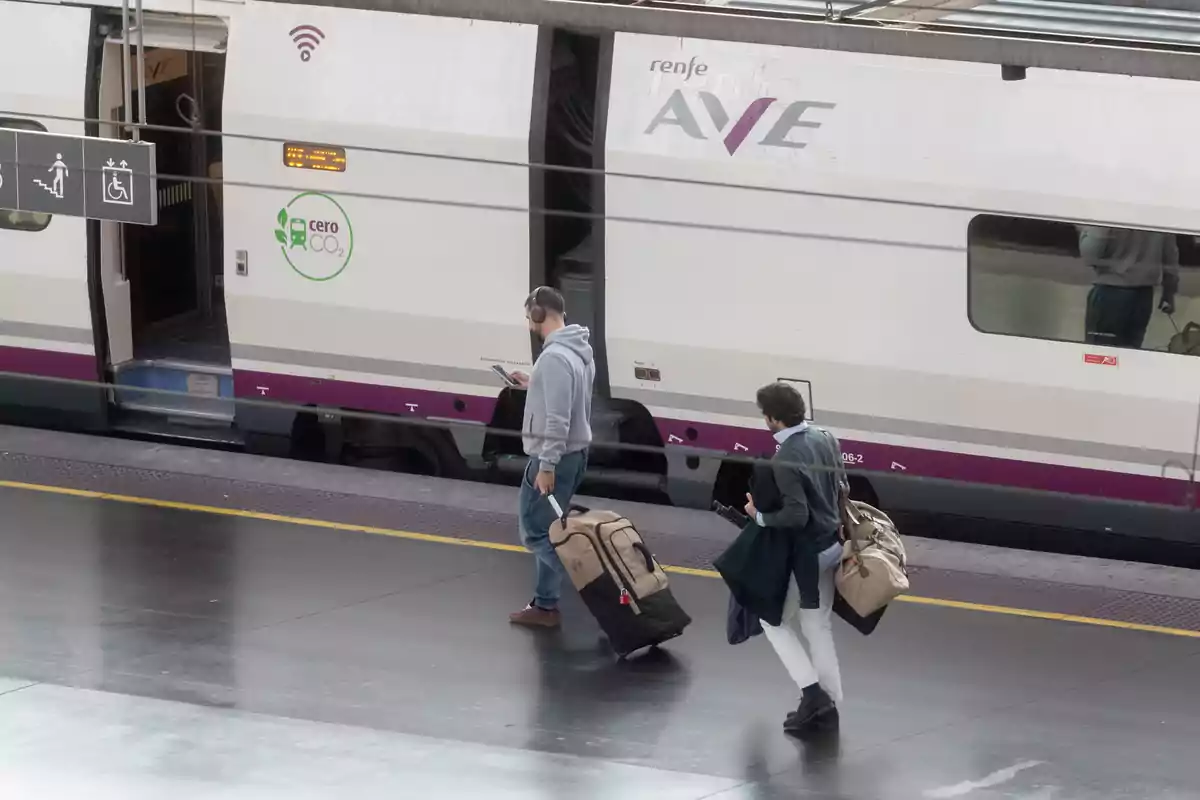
(757, 568)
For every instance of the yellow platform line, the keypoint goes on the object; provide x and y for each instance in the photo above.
(514, 548)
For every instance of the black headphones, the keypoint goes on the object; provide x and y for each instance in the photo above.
(537, 314)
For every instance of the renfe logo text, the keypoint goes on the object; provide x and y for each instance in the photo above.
(677, 112)
(687, 69)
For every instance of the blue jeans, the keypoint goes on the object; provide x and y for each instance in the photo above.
(535, 516)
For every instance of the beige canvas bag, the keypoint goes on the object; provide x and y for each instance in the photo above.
(873, 571)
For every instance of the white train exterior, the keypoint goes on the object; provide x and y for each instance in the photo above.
(769, 212)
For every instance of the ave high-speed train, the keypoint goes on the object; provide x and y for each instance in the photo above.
(891, 219)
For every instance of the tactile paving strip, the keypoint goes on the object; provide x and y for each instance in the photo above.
(1151, 609)
(1059, 598)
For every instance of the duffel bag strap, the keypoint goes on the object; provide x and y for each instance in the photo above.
(848, 528)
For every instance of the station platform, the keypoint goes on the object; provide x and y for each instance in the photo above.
(190, 624)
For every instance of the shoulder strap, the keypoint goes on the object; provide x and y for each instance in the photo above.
(844, 513)
(837, 450)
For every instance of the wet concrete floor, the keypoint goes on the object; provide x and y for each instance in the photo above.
(171, 653)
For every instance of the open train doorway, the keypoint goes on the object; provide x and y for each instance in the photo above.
(163, 285)
(567, 229)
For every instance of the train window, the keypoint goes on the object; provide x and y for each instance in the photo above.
(1112, 287)
(23, 220)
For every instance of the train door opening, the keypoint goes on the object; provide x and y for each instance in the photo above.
(567, 134)
(163, 284)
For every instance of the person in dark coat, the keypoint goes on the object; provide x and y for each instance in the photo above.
(808, 476)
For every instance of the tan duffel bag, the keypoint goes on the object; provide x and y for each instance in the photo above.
(873, 571)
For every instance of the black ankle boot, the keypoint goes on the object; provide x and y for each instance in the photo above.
(816, 709)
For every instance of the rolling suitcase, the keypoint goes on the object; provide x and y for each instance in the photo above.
(620, 582)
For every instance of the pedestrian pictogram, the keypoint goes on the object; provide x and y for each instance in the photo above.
(57, 186)
(117, 183)
(49, 173)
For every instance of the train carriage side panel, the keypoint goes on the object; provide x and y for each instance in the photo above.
(393, 283)
(865, 303)
(45, 314)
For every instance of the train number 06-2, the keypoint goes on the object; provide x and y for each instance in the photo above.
(852, 458)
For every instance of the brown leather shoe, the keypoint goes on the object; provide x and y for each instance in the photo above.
(534, 617)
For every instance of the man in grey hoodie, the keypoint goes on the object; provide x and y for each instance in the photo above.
(557, 432)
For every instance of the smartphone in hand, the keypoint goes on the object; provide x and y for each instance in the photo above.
(730, 514)
(504, 376)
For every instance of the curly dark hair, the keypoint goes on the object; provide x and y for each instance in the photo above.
(781, 402)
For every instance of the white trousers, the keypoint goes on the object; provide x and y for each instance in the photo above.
(815, 626)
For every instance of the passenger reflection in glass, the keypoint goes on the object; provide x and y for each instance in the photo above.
(1083, 283)
(1128, 266)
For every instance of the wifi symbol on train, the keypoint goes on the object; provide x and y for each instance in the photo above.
(306, 38)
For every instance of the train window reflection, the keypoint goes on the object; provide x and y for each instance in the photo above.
(1111, 287)
(23, 220)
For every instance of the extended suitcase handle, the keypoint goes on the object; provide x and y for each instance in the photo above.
(573, 509)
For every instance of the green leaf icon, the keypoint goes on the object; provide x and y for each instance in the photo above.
(283, 218)
(281, 237)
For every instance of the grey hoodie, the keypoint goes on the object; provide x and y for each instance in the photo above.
(1124, 257)
(558, 405)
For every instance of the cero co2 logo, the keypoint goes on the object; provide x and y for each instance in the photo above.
(315, 236)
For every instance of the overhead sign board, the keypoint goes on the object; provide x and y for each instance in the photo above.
(78, 176)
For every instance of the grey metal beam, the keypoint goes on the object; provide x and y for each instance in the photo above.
(920, 11)
(1157, 5)
(699, 22)
(861, 8)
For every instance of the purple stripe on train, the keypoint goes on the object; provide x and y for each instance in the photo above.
(398, 400)
(48, 363)
(924, 463)
(912, 461)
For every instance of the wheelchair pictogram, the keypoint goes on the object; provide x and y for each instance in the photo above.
(118, 183)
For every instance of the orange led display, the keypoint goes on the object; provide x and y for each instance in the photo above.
(324, 157)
